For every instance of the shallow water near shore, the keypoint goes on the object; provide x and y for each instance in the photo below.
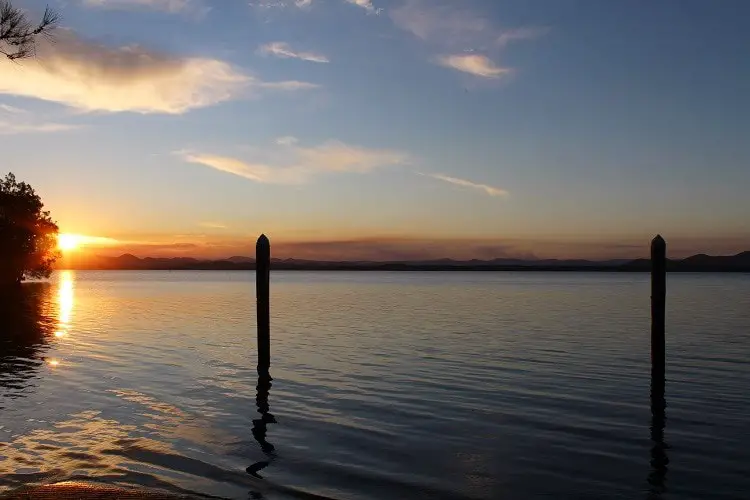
(386, 385)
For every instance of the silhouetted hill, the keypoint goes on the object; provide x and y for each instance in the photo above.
(696, 263)
(239, 259)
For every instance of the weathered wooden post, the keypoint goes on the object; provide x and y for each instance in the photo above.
(262, 278)
(658, 305)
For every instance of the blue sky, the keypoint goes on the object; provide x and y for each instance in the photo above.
(417, 127)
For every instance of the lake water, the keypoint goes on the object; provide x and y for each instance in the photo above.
(386, 385)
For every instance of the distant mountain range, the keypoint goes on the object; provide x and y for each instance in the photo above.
(696, 263)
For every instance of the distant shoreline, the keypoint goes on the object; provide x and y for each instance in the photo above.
(697, 263)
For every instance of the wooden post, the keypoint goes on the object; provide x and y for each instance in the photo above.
(262, 278)
(658, 305)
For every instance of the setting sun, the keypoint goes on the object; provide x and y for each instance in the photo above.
(68, 242)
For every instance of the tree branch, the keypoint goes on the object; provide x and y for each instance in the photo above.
(18, 35)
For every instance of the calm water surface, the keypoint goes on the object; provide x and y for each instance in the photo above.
(386, 385)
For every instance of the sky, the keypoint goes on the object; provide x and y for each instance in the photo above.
(388, 129)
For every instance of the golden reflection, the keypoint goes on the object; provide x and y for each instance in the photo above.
(53, 362)
(65, 302)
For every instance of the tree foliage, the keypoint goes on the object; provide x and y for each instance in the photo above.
(18, 34)
(28, 236)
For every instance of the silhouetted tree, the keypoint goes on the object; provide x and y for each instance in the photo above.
(28, 236)
(18, 35)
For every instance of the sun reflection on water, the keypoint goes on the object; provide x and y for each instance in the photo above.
(65, 302)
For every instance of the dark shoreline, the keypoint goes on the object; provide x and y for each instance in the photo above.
(739, 263)
(427, 269)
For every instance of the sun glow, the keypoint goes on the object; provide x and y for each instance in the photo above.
(68, 242)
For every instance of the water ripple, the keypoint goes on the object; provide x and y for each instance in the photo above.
(386, 385)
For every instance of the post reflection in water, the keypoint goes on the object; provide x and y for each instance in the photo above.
(260, 425)
(659, 459)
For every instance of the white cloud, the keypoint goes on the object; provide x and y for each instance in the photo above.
(303, 4)
(303, 163)
(95, 77)
(171, 6)
(367, 5)
(473, 64)
(490, 190)
(284, 51)
(287, 141)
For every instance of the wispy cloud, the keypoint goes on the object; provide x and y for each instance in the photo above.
(12, 109)
(94, 77)
(284, 51)
(12, 128)
(286, 141)
(15, 120)
(490, 190)
(441, 23)
(367, 5)
(452, 25)
(473, 64)
(461, 31)
(212, 225)
(171, 6)
(301, 163)
(269, 5)
(281, 4)
(289, 85)
(518, 34)
(257, 172)
(336, 156)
